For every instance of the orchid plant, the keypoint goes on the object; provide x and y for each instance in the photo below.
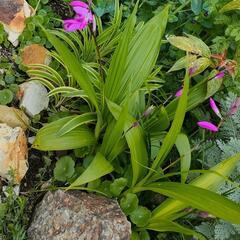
(115, 122)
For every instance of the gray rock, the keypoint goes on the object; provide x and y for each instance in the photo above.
(77, 215)
(35, 98)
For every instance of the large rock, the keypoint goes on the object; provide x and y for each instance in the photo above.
(13, 16)
(13, 153)
(76, 215)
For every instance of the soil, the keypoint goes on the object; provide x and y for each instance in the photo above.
(61, 8)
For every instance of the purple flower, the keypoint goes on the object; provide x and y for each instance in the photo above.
(215, 108)
(179, 93)
(80, 7)
(219, 75)
(83, 17)
(72, 25)
(208, 125)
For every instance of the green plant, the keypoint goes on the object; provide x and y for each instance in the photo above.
(12, 218)
(64, 169)
(116, 123)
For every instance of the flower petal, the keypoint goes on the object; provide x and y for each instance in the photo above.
(215, 108)
(208, 125)
(79, 4)
(71, 25)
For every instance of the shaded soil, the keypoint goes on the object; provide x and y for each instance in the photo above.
(61, 8)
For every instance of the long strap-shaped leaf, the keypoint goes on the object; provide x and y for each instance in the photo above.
(172, 134)
(135, 141)
(48, 140)
(169, 226)
(199, 198)
(74, 66)
(144, 51)
(97, 168)
(114, 132)
(184, 149)
(76, 122)
(210, 181)
(118, 63)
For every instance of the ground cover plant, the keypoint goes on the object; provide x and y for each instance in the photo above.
(135, 115)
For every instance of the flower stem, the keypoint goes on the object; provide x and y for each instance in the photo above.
(98, 54)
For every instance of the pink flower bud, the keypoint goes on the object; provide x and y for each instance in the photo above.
(179, 93)
(219, 75)
(215, 108)
(208, 125)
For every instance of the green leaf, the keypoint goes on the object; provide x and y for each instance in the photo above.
(213, 86)
(140, 216)
(75, 67)
(6, 96)
(184, 149)
(175, 129)
(233, 5)
(114, 133)
(190, 44)
(196, 6)
(157, 122)
(118, 63)
(47, 138)
(117, 186)
(210, 181)
(200, 65)
(76, 122)
(3, 210)
(97, 168)
(64, 168)
(129, 203)
(136, 142)
(205, 50)
(143, 54)
(169, 226)
(183, 63)
(199, 198)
